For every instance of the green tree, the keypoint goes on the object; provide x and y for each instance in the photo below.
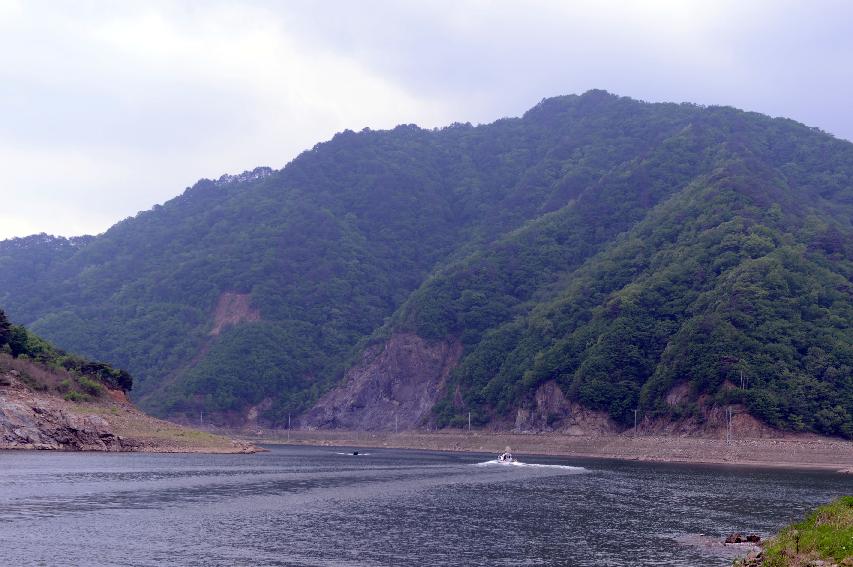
(5, 328)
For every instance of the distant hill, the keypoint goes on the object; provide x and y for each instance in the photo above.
(597, 254)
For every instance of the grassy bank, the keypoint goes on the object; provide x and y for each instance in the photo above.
(155, 435)
(825, 537)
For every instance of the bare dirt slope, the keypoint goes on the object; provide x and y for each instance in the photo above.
(233, 309)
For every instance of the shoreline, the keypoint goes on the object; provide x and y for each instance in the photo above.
(33, 420)
(237, 449)
(793, 452)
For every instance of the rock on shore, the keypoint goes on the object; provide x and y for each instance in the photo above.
(38, 420)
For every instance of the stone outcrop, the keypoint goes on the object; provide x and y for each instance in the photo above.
(708, 419)
(737, 537)
(33, 421)
(42, 419)
(552, 411)
(394, 385)
(403, 378)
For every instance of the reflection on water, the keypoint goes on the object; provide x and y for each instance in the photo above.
(320, 506)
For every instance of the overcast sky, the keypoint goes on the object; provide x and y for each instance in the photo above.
(111, 107)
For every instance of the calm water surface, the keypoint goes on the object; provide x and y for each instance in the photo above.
(317, 506)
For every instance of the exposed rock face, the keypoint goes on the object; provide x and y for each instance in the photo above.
(402, 378)
(31, 421)
(678, 394)
(551, 411)
(44, 420)
(255, 411)
(406, 376)
(711, 420)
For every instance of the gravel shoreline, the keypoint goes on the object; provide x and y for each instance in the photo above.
(794, 452)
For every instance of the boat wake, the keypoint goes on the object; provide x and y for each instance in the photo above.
(497, 463)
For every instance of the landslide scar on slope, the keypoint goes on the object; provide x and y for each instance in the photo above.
(232, 309)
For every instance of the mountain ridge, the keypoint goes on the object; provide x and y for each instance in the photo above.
(480, 234)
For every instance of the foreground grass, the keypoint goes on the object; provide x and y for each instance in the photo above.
(826, 534)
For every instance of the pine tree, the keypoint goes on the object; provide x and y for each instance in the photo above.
(5, 328)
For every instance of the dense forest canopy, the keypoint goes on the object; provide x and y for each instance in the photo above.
(620, 248)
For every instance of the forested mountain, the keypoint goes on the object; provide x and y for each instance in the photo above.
(617, 248)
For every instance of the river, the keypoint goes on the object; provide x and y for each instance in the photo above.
(322, 506)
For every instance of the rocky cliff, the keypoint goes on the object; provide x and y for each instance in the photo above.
(32, 421)
(552, 411)
(31, 418)
(394, 385)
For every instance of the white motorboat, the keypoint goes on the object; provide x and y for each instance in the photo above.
(506, 456)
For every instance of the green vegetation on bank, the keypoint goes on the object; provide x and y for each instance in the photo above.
(826, 534)
(43, 367)
(619, 248)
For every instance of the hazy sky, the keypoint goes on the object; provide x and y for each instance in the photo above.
(111, 107)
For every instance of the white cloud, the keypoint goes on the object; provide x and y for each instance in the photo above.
(33, 197)
(118, 106)
(144, 102)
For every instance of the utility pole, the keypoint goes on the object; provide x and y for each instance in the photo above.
(201, 418)
(288, 428)
(741, 380)
(395, 424)
(635, 423)
(469, 422)
(729, 424)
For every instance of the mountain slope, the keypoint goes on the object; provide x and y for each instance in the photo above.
(616, 248)
(699, 293)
